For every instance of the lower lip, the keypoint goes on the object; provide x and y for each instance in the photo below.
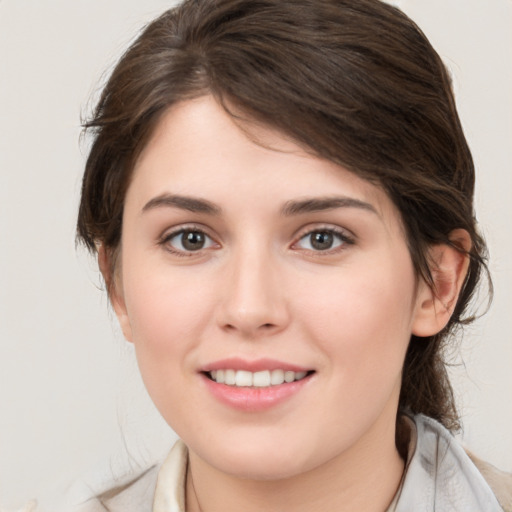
(253, 399)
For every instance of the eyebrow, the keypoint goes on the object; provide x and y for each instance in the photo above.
(190, 204)
(318, 204)
(290, 208)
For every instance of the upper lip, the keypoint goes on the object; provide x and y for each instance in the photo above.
(256, 365)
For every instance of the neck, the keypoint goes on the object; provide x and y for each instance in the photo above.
(365, 478)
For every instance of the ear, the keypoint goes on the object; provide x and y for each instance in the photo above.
(115, 290)
(435, 305)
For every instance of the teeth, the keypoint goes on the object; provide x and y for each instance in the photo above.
(229, 377)
(276, 377)
(242, 378)
(289, 376)
(263, 379)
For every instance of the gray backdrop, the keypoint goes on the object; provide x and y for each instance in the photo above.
(71, 402)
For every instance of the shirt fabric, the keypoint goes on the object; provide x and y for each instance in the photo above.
(439, 476)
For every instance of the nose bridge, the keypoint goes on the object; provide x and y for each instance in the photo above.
(254, 300)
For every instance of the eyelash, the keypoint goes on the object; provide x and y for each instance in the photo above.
(341, 235)
(167, 237)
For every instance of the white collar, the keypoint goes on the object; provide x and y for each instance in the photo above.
(171, 482)
(438, 475)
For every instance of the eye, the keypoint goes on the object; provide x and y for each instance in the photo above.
(322, 240)
(188, 240)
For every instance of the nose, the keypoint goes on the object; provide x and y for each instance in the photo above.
(253, 297)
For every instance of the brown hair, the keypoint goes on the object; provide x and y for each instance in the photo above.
(356, 82)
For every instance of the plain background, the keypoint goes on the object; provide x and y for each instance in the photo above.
(71, 402)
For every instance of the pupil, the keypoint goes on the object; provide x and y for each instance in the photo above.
(322, 240)
(192, 240)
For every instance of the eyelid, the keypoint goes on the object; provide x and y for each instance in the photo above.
(347, 237)
(170, 233)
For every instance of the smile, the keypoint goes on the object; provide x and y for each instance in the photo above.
(260, 379)
(255, 385)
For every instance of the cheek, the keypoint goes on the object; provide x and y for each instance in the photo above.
(363, 321)
(165, 305)
(167, 315)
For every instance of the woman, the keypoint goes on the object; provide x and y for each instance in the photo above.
(280, 197)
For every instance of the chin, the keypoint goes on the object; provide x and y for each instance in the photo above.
(255, 459)
(265, 468)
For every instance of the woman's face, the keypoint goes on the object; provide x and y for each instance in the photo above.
(253, 262)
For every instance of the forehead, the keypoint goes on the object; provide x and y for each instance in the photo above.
(198, 149)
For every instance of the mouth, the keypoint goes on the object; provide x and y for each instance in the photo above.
(259, 379)
(255, 385)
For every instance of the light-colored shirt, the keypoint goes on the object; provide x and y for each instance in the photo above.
(439, 476)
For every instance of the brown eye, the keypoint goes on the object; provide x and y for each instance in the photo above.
(192, 240)
(322, 240)
(188, 240)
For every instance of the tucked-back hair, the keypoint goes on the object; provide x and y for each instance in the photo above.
(354, 81)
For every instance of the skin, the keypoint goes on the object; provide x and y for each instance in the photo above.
(260, 289)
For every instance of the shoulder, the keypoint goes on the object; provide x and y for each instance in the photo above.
(131, 493)
(499, 481)
(160, 486)
(447, 475)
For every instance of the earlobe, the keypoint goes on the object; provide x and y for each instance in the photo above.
(435, 305)
(115, 291)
